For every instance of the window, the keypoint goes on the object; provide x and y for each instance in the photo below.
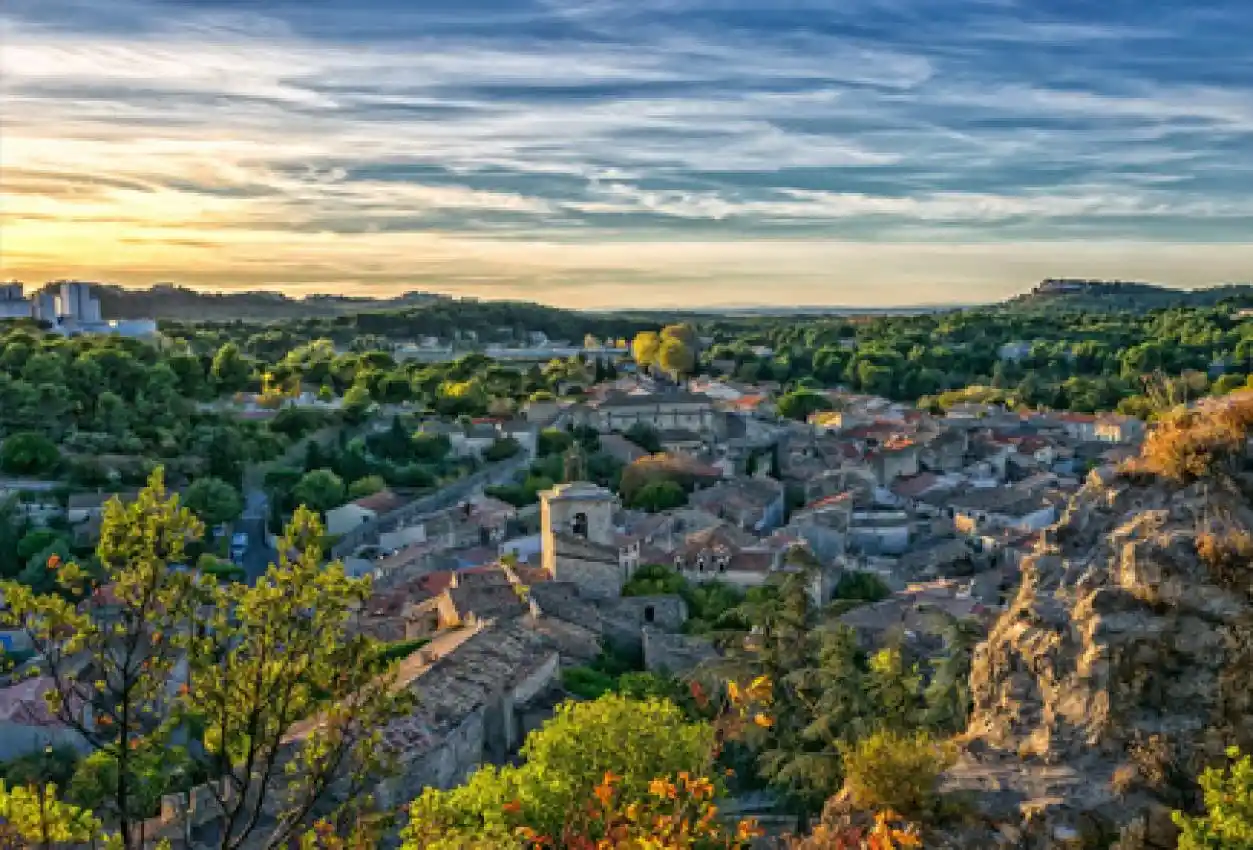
(650, 614)
(579, 525)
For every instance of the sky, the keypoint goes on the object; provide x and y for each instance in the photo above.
(628, 153)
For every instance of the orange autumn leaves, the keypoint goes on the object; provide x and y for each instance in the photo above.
(677, 814)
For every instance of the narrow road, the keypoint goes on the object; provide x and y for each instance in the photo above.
(259, 554)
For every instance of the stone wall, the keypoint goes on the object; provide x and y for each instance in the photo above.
(675, 654)
(449, 764)
(623, 620)
(596, 575)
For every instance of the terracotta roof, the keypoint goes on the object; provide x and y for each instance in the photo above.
(382, 502)
(24, 703)
(914, 486)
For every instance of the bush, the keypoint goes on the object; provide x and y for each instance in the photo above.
(654, 580)
(1228, 821)
(29, 453)
(502, 449)
(1189, 445)
(1228, 554)
(587, 683)
(401, 649)
(861, 586)
(367, 486)
(892, 772)
(553, 441)
(219, 569)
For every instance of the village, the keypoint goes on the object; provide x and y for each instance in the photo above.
(941, 509)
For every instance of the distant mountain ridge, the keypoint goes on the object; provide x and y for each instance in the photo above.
(1078, 294)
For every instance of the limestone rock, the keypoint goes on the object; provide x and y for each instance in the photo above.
(1121, 667)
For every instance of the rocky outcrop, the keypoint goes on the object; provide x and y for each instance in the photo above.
(1123, 665)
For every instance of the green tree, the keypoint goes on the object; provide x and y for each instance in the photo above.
(214, 501)
(231, 371)
(644, 436)
(564, 761)
(948, 697)
(29, 453)
(502, 449)
(683, 333)
(34, 816)
(319, 490)
(658, 496)
(172, 651)
(861, 586)
(896, 772)
(357, 404)
(800, 403)
(791, 754)
(1228, 820)
(12, 532)
(366, 486)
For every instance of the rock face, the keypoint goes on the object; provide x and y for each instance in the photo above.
(1123, 665)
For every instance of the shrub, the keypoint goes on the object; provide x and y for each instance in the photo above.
(861, 586)
(893, 772)
(1228, 819)
(1193, 444)
(1227, 554)
(502, 449)
(398, 650)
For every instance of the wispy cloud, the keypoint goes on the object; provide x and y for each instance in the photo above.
(495, 145)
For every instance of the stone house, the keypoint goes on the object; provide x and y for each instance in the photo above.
(1118, 429)
(660, 411)
(27, 725)
(358, 512)
(1000, 507)
(752, 504)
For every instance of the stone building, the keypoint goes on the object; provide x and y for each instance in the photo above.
(579, 540)
(660, 411)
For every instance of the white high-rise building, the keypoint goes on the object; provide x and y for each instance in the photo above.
(13, 303)
(78, 305)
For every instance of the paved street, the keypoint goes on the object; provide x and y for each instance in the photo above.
(259, 554)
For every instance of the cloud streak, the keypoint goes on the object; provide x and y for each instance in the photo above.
(493, 146)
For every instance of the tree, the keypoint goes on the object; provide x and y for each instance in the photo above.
(684, 333)
(12, 532)
(565, 761)
(645, 348)
(231, 371)
(676, 357)
(171, 652)
(893, 772)
(29, 453)
(948, 695)
(319, 490)
(357, 404)
(502, 449)
(659, 496)
(794, 752)
(800, 403)
(34, 816)
(367, 486)
(1228, 820)
(644, 436)
(214, 501)
(861, 586)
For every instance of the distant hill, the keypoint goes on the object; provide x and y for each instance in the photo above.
(167, 301)
(1069, 294)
